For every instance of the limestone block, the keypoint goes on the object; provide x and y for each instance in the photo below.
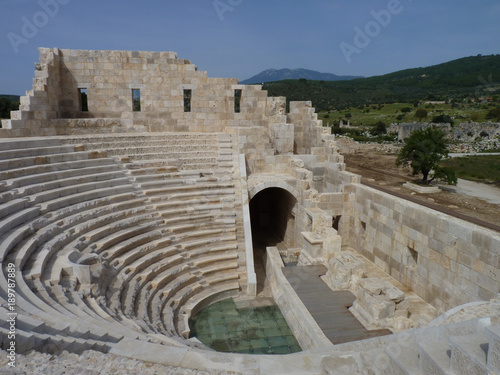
(345, 271)
(380, 303)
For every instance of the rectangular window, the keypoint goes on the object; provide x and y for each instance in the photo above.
(413, 258)
(136, 100)
(187, 100)
(336, 222)
(237, 101)
(84, 106)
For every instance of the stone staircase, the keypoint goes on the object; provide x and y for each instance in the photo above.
(117, 236)
(469, 350)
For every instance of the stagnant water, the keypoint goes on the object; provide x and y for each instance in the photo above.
(252, 330)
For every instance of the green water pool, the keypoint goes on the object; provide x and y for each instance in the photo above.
(252, 330)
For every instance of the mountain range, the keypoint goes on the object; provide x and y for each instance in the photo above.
(271, 75)
(468, 77)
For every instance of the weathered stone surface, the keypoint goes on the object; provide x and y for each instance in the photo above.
(380, 303)
(345, 271)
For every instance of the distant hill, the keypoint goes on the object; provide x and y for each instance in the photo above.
(12, 98)
(8, 103)
(271, 75)
(477, 76)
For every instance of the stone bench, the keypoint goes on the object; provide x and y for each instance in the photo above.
(76, 310)
(166, 175)
(59, 241)
(81, 197)
(18, 218)
(18, 153)
(147, 223)
(171, 190)
(31, 161)
(53, 344)
(97, 228)
(205, 223)
(185, 181)
(131, 261)
(194, 207)
(17, 173)
(56, 222)
(61, 192)
(77, 180)
(204, 243)
(13, 206)
(39, 178)
(27, 143)
(56, 236)
(130, 245)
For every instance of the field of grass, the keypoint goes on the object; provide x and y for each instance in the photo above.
(369, 115)
(484, 168)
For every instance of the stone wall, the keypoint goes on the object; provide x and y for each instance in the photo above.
(446, 261)
(109, 78)
(308, 129)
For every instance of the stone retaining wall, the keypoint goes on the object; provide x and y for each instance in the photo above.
(446, 261)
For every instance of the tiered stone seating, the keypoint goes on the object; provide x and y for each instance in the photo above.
(116, 235)
(198, 209)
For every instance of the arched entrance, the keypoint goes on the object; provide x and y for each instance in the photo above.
(273, 218)
(272, 214)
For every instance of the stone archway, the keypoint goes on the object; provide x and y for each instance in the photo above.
(272, 214)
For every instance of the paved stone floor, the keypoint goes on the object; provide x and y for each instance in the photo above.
(328, 308)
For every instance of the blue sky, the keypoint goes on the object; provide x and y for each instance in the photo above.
(240, 38)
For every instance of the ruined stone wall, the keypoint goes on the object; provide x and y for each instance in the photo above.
(308, 129)
(446, 261)
(109, 78)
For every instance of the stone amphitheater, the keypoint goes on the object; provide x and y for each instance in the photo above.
(133, 190)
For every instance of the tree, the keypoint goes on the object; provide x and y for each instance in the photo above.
(493, 114)
(445, 119)
(421, 113)
(379, 128)
(423, 150)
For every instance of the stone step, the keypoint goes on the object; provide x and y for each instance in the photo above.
(131, 244)
(126, 234)
(14, 205)
(81, 179)
(493, 335)
(35, 152)
(18, 218)
(435, 357)
(469, 354)
(60, 175)
(73, 189)
(27, 143)
(81, 197)
(404, 358)
(13, 173)
(31, 161)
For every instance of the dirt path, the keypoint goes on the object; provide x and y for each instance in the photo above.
(380, 169)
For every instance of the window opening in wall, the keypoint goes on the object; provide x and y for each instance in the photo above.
(237, 101)
(187, 100)
(84, 106)
(363, 225)
(336, 221)
(413, 259)
(136, 100)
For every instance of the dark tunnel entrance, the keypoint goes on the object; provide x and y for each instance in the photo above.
(273, 223)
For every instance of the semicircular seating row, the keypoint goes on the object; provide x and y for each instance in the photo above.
(116, 236)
